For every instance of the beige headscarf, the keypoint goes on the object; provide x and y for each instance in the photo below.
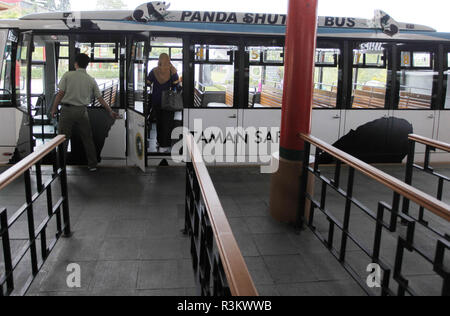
(165, 69)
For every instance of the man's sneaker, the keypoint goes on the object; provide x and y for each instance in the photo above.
(93, 169)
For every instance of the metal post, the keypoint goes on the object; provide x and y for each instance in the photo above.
(64, 192)
(6, 251)
(31, 229)
(348, 208)
(409, 173)
(304, 187)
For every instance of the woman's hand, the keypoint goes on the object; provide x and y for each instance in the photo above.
(114, 115)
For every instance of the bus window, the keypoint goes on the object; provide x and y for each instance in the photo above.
(326, 78)
(447, 99)
(416, 80)
(139, 75)
(5, 74)
(63, 59)
(38, 58)
(369, 76)
(37, 84)
(214, 76)
(104, 66)
(266, 77)
(170, 46)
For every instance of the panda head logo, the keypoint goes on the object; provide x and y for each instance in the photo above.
(386, 23)
(156, 10)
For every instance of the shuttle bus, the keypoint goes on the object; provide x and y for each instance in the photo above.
(232, 65)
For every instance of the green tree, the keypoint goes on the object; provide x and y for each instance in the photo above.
(11, 14)
(111, 5)
(59, 5)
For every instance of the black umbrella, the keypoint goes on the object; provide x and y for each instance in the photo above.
(382, 141)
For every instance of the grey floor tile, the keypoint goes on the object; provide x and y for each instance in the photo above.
(230, 207)
(54, 276)
(247, 245)
(113, 293)
(326, 267)
(258, 271)
(426, 285)
(62, 294)
(127, 229)
(302, 289)
(169, 274)
(114, 275)
(164, 228)
(87, 228)
(289, 269)
(267, 290)
(254, 208)
(167, 292)
(239, 226)
(306, 242)
(164, 249)
(273, 245)
(75, 250)
(347, 288)
(265, 225)
(119, 249)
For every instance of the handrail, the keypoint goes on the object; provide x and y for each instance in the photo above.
(435, 206)
(430, 142)
(42, 238)
(18, 169)
(236, 271)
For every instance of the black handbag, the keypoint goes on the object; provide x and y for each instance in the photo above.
(172, 99)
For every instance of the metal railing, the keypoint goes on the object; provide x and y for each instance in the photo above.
(36, 234)
(431, 145)
(406, 240)
(220, 269)
(109, 91)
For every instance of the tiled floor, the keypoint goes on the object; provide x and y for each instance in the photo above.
(127, 237)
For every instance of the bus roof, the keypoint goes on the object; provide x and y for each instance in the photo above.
(156, 17)
(147, 13)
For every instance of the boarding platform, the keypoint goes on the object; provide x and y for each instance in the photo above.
(134, 233)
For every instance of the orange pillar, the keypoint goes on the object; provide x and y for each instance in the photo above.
(301, 37)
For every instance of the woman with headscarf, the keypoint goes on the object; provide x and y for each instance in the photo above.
(163, 78)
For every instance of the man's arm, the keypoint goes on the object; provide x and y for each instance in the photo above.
(113, 114)
(58, 99)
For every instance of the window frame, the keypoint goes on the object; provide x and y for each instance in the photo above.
(413, 67)
(170, 52)
(208, 61)
(94, 60)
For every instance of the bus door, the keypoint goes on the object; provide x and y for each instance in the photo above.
(137, 105)
(443, 133)
(8, 130)
(23, 129)
(173, 47)
(214, 116)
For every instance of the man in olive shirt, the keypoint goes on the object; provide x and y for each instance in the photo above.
(76, 90)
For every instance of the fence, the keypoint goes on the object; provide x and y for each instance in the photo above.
(406, 241)
(36, 234)
(431, 145)
(220, 269)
